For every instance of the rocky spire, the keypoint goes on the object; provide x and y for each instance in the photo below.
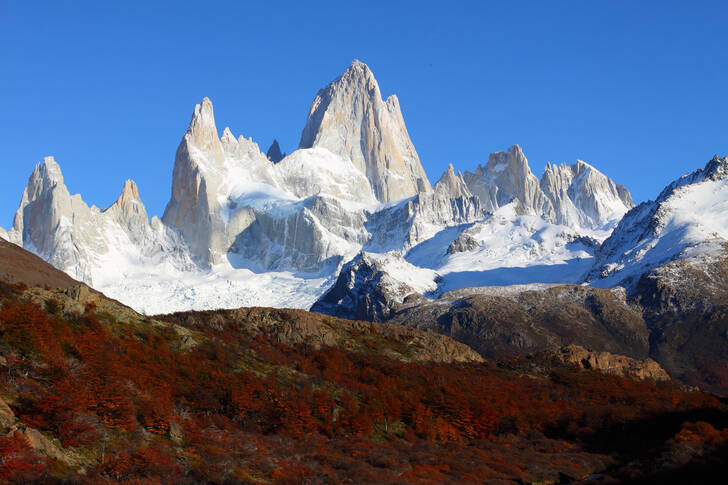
(45, 188)
(505, 178)
(205, 168)
(202, 132)
(199, 157)
(451, 184)
(349, 118)
(274, 152)
(49, 220)
(228, 141)
(129, 212)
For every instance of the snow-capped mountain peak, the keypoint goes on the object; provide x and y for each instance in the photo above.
(349, 118)
(507, 177)
(582, 196)
(688, 219)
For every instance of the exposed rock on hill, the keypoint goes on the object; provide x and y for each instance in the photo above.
(499, 321)
(686, 307)
(612, 364)
(293, 327)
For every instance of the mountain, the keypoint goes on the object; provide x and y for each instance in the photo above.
(664, 271)
(274, 152)
(372, 287)
(576, 196)
(349, 118)
(584, 197)
(452, 185)
(689, 219)
(240, 229)
(505, 178)
(87, 243)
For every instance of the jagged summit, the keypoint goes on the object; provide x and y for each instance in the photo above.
(349, 118)
(130, 193)
(452, 184)
(274, 152)
(202, 130)
(583, 196)
(507, 177)
(577, 195)
(240, 229)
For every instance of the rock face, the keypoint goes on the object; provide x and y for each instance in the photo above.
(274, 152)
(349, 118)
(85, 242)
(584, 197)
(505, 178)
(685, 305)
(520, 319)
(452, 185)
(49, 220)
(577, 196)
(371, 287)
(7, 417)
(609, 363)
(194, 206)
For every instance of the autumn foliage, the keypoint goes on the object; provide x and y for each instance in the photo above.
(237, 408)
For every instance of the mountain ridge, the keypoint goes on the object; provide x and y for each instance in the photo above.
(240, 228)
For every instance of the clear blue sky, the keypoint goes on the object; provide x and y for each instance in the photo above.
(639, 89)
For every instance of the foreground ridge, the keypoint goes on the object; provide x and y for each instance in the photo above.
(93, 391)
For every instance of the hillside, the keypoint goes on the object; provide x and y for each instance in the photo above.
(93, 392)
(20, 266)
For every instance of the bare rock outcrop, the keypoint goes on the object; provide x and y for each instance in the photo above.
(9, 424)
(609, 363)
(293, 327)
(7, 417)
(373, 287)
(452, 184)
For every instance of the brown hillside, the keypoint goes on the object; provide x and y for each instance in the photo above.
(20, 266)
